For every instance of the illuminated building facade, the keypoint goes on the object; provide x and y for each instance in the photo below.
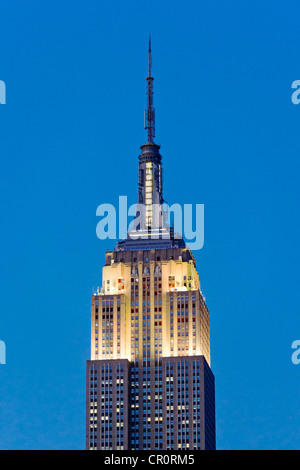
(149, 382)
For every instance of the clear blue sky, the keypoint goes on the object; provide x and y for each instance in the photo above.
(69, 141)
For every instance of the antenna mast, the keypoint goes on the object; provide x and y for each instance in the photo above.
(150, 112)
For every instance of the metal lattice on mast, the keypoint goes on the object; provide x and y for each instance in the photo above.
(150, 112)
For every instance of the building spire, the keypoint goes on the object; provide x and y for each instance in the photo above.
(149, 57)
(150, 112)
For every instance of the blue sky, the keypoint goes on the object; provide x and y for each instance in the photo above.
(69, 141)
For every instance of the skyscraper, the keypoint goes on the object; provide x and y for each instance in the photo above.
(149, 382)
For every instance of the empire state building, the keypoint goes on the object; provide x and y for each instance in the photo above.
(149, 385)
